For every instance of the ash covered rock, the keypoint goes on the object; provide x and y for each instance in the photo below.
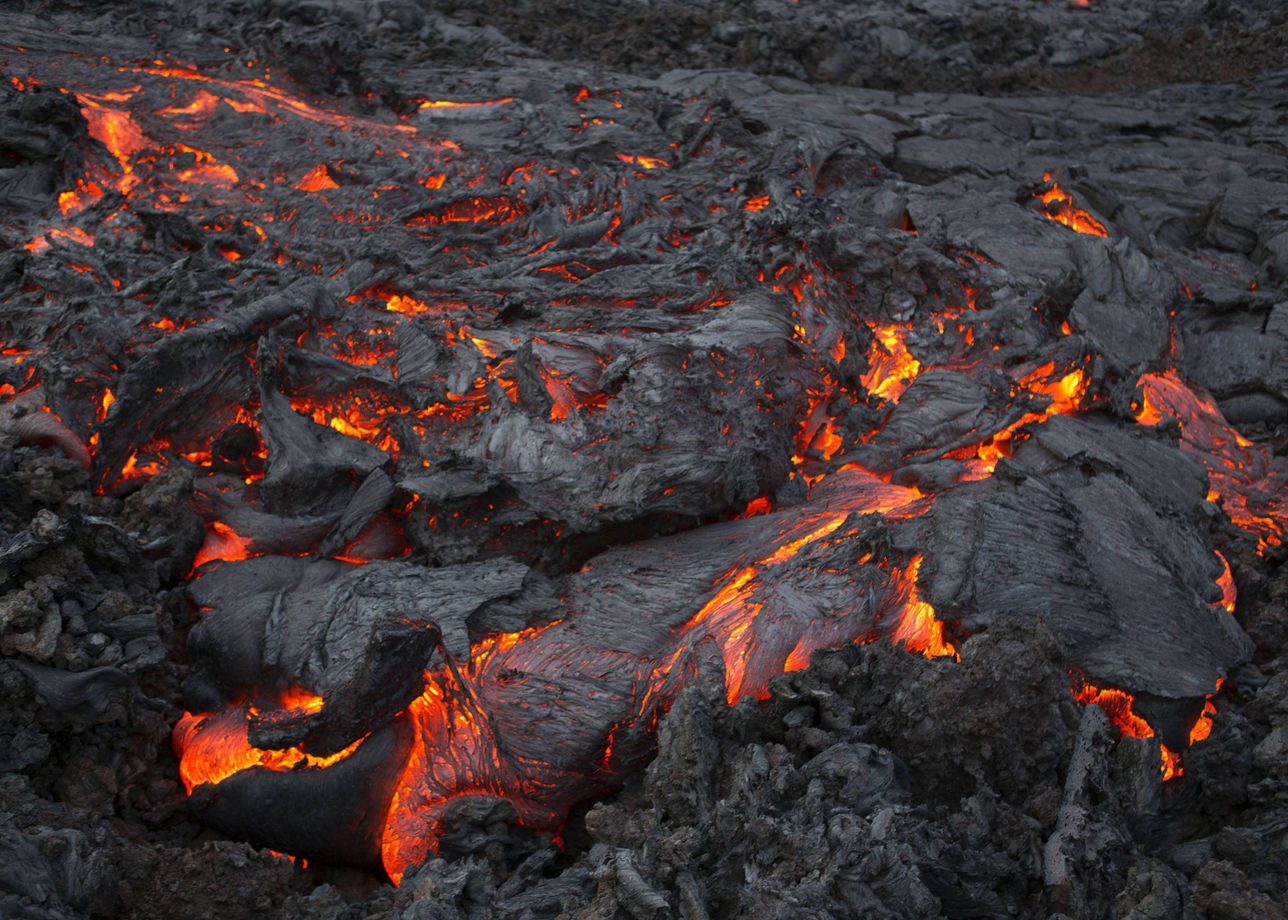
(78, 591)
(161, 519)
(52, 873)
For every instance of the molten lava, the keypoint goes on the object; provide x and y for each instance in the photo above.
(1059, 207)
(1245, 478)
(919, 629)
(355, 365)
(1118, 706)
(214, 746)
(891, 368)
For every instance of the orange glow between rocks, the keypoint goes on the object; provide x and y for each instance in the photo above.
(444, 104)
(408, 306)
(134, 470)
(210, 174)
(495, 210)
(316, 179)
(643, 162)
(350, 421)
(454, 738)
(565, 400)
(300, 699)
(116, 130)
(1117, 704)
(1064, 212)
(214, 746)
(1065, 393)
(1229, 593)
(1245, 482)
(891, 368)
(1203, 727)
(73, 202)
(203, 104)
(919, 629)
(222, 542)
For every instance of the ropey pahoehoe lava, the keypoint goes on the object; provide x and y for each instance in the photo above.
(511, 413)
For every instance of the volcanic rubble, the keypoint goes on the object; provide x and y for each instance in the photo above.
(449, 444)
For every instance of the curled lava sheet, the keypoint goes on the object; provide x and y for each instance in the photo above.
(510, 417)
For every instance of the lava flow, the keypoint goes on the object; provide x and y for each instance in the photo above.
(1059, 207)
(1245, 479)
(428, 382)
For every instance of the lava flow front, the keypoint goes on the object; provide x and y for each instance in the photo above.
(508, 423)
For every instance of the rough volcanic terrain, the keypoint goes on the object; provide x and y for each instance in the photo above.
(959, 329)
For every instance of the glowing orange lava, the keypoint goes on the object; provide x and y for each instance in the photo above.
(1118, 704)
(1065, 392)
(456, 749)
(919, 629)
(643, 162)
(214, 746)
(1059, 207)
(316, 179)
(891, 368)
(1245, 479)
(222, 542)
